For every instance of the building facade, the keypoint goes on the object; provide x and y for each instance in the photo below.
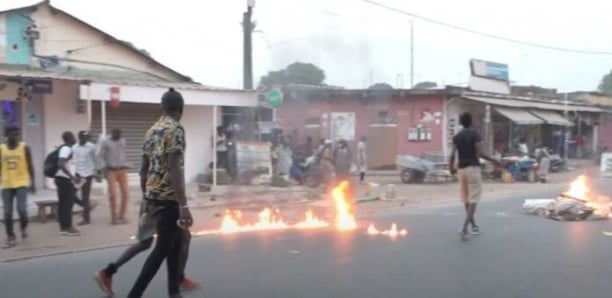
(67, 87)
(395, 122)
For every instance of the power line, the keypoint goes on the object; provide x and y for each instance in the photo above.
(488, 35)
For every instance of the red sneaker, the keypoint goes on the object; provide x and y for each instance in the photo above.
(189, 284)
(104, 282)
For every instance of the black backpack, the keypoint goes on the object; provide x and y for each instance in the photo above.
(52, 163)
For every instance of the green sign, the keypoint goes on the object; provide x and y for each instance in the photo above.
(275, 97)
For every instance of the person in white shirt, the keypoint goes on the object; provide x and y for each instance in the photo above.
(86, 169)
(66, 191)
(362, 158)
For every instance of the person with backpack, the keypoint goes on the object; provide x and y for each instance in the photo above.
(57, 165)
(17, 179)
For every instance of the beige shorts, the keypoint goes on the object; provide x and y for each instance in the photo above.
(470, 184)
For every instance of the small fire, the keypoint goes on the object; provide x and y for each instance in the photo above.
(311, 222)
(394, 232)
(580, 190)
(268, 220)
(345, 220)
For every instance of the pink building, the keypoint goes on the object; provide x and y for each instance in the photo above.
(394, 121)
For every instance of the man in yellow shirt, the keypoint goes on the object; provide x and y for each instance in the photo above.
(17, 174)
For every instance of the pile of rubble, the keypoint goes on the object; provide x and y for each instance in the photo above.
(578, 203)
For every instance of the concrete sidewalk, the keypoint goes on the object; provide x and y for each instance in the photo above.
(292, 201)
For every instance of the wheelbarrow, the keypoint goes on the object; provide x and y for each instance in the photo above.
(419, 170)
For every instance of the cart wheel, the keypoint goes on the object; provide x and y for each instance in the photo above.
(412, 176)
(407, 176)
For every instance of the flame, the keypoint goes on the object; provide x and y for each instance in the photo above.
(311, 222)
(271, 219)
(580, 189)
(393, 232)
(345, 220)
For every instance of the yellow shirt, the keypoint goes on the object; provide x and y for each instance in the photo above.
(15, 172)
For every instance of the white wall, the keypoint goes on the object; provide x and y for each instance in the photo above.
(198, 124)
(59, 33)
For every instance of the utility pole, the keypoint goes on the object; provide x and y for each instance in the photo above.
(411, 54)
(248, 115)
(248, 28)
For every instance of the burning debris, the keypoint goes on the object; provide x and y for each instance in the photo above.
(578, 203)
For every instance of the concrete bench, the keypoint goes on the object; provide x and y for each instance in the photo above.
(42, 209)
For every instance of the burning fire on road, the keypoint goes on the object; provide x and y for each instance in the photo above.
(579, 202)
(271, 219)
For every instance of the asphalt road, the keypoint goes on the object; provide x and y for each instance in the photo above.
(516, 256)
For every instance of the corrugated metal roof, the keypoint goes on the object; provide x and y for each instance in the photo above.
(103, 76)
(519, 116)
(526, 103)
(552, 117)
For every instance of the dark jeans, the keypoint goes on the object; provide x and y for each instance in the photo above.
(168, 247)
(141, 246)
(221, 159)
(8, 199)
(84, 201)
(66, 195)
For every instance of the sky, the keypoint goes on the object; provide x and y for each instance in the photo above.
(358, 44)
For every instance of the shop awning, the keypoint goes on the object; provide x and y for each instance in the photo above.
(552, 118)
(519, 116)
(527, 103)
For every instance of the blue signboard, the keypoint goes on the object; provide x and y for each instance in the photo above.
(491, 70)
(497, 71)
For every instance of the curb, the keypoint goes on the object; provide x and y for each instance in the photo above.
(63, 252)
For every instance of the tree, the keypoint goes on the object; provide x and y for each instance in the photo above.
(295, 73)
(605, 85)
(425, 85)
(381, 86)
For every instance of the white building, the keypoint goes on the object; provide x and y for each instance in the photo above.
(69, 86)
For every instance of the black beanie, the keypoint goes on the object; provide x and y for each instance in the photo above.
(172, 100)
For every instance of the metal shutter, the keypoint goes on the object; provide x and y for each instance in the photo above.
(134, 119)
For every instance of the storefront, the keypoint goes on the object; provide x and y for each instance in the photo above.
(133, 119)
(504, 120)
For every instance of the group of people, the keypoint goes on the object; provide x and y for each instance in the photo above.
(81, 162)
(330, 159)
(73, 166)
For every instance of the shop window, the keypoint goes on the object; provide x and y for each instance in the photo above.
(383, 117)
(419, 134)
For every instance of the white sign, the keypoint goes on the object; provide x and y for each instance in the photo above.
(33, 119)
(343, 126)
(254, 156)
(606, 165)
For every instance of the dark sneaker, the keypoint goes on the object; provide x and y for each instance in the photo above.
(475, 231)
(70, 232)
(464, 235)
(24, 234)
(189, 284)
(10, 243)
(105, 282)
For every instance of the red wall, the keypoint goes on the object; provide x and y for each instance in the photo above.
(407, 111)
